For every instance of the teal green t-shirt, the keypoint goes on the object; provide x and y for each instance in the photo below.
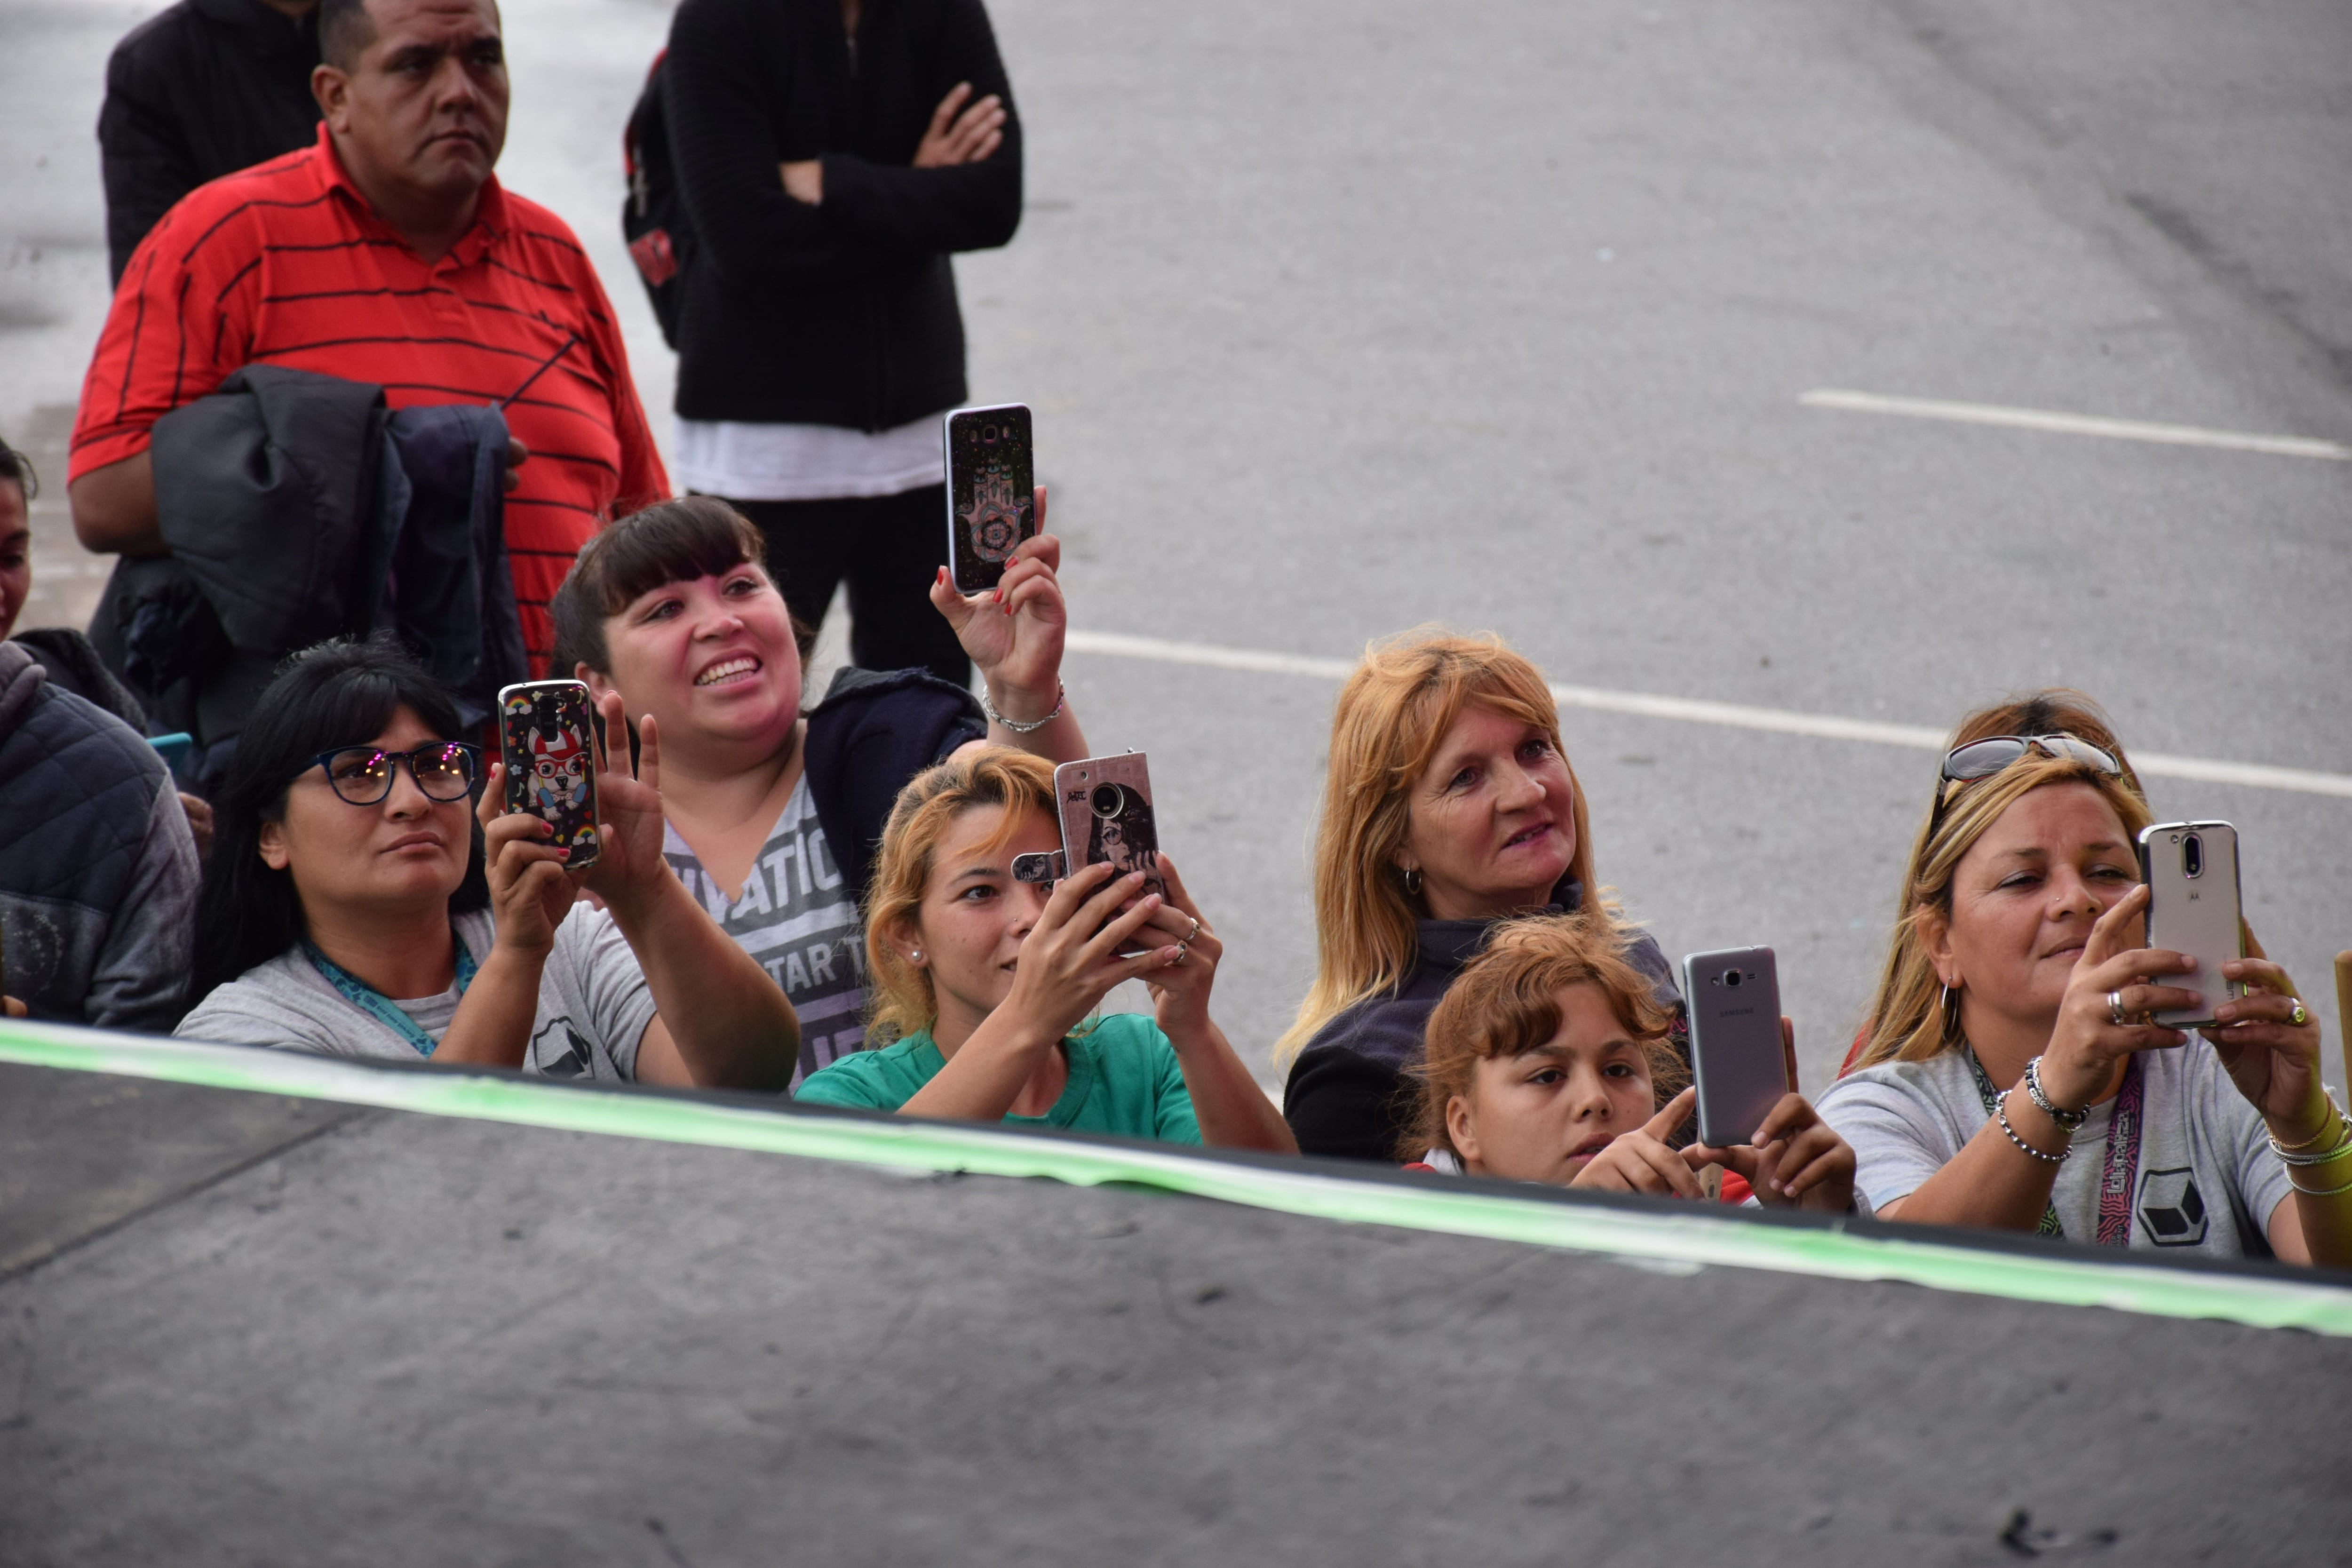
(1125, 1079)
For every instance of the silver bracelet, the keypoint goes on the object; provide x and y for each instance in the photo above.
(2001, 1114)
(2304, 1155)
(1061, 695)
(2069, 1119)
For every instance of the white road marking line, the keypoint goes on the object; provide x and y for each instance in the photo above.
(2076, 425)
(1691, 710)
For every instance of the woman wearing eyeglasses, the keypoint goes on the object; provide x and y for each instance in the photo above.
(360, 904)
(2009, 1076)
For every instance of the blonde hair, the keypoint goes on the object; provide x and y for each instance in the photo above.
(902, 1002)
(1391, 716)
(1910, 1019)
(1505, 1002)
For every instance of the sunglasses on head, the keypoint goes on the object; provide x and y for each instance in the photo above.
(1983, 759)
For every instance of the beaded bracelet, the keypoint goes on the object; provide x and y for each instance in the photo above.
(1061, 695)
(2293, 1154)
(2332, 1111)
(2321, 1191)
(2069, 1119)
(2001, 1114)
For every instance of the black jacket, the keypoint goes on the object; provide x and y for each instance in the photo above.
(297, 507)
(205, 89)
(875, 731)
(843, 313)
(1351, 1095)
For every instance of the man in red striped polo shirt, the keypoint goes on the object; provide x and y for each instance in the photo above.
(388, 254)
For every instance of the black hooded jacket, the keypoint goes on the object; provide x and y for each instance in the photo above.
(203, 89)
(1352, 1095)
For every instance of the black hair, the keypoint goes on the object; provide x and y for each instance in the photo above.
(345, 30)
(339, 693)
(672, 542)
(14, 465)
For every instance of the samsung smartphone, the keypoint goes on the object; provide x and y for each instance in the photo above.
(992, 492)
(548, 744)
(1736, 1059)
(2191, 872)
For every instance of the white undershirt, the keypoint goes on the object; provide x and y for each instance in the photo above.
(744, 461)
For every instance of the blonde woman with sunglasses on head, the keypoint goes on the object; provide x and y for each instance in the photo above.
(2008, 1074)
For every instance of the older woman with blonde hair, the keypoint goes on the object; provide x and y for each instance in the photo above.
(1448, 805)
(2011, 1075)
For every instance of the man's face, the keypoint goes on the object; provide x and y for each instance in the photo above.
(422, 112)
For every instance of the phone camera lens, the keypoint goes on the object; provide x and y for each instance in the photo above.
(2193, 856)
(1731, 977)
(1107, 799)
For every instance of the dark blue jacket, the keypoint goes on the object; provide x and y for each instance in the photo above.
(1351, 1095)
(874, 731)
(98, 869)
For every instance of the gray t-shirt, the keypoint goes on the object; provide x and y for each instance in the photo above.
(593, 1005)
(797, 916)
(2206, 1178)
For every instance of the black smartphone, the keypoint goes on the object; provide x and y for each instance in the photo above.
(992, 492)
(548, 743)
(1736, 1059)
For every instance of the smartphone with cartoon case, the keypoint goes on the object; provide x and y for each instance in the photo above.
(548, 743)
(2191, 872)
(992, 492)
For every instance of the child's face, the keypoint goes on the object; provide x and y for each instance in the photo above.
(1539, 1117)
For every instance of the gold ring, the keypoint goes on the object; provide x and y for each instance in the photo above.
(2300, 1015)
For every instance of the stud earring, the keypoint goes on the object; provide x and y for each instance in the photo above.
(914, 955)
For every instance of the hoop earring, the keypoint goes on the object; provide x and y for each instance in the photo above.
(1412, 883)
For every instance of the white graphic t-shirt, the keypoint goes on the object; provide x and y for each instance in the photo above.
(797, 915)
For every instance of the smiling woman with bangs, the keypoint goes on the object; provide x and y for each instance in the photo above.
(774, 807)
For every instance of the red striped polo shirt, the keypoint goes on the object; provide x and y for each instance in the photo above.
(286, 263)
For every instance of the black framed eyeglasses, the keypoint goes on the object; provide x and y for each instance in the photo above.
(444, 770)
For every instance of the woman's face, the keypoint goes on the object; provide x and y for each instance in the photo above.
(402, 852)
(1541, 1116)
(1492, 823)
(711, 659)
(2025, 899)
(975, 916)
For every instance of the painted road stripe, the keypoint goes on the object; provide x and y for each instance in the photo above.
(2059, 1275)
(1692, 711)
(2074, 425)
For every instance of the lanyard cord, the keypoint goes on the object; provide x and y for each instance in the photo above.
(379, 1006)
(2122, 1169)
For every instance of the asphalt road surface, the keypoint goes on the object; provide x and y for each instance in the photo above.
(1341, 318)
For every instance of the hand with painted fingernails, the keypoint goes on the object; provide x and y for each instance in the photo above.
(1014, 632)
(530, 891)
(1070, 959)
(1188, 952)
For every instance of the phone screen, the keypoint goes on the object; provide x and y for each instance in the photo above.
(992, 492)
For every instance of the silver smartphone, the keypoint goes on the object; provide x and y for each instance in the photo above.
(992, 492)
(1737, 1060)
(2191, 872)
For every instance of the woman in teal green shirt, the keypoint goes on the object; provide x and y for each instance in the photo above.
(984, 984)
